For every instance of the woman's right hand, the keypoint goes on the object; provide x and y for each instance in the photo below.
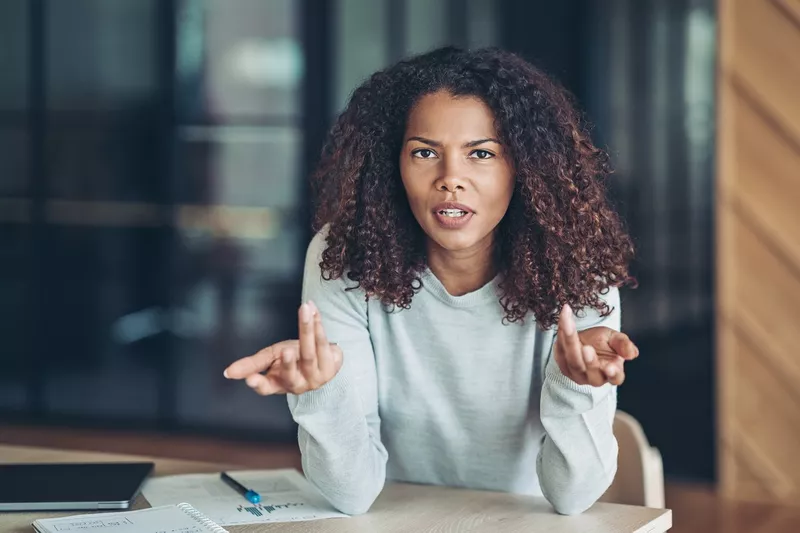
(292, 366)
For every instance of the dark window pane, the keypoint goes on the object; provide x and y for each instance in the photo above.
(238, 264)
(13, 54)
(232, 298)
(13, 394)
(101, 54)
(97, 278)
(14, 241)
(13, 162)
(238, 60)
(240, 166)
(361, 45)
(427, 26)
(106, 162)
(482, 17)
(14, 313)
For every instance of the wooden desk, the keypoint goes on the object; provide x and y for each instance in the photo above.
(400, 507)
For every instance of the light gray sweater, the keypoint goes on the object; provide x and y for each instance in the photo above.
(446, 393)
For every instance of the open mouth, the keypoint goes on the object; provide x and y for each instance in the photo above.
(452, 213)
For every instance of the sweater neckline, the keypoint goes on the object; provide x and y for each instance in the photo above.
(486, 293)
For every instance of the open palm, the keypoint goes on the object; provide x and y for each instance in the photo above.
(594, 356)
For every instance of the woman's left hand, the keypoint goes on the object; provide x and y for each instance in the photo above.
(594, 356)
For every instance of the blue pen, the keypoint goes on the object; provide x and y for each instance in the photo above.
(251, 495)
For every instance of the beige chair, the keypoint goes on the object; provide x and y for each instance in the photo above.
(640, 472)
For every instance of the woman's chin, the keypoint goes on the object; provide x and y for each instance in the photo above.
(454, 240)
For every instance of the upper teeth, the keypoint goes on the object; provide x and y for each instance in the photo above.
(453, 212)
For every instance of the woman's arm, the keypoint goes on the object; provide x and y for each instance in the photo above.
(578, 458)
(339, 426)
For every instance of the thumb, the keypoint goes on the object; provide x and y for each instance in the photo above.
(257, 363)
(567, 329)
(568, 346)
(623, 346)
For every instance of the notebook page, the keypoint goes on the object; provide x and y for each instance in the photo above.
(164, 519)
(286, 496)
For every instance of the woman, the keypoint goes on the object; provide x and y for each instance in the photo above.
(462, 216)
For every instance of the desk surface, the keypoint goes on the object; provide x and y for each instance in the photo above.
(399, 508)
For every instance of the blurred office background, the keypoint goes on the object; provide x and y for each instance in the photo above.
(154, 212)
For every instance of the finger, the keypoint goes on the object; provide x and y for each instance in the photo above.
(570, 343)
(264, 385)
(324, 355)
(614, 371)
(257, 363)
(623, 346)
(617, 375)
(308, 349)
(594, 374)
(329, 360)
(290, 376)
(337, 357)
(579, 378)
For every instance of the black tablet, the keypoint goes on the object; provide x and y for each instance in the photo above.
(70, 486)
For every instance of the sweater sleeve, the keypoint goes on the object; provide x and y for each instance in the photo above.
(578, 457)
(338, 424)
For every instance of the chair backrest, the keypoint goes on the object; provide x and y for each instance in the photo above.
(640, 472)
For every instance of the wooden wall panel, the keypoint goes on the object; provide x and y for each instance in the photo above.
(767, 293)
(767, 175)
(758, 250)
(765, 47)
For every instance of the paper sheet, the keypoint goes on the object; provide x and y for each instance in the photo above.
(286, 496)
(166, 519)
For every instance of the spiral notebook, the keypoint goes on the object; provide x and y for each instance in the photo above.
(180, 518)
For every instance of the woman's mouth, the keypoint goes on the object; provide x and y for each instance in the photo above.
(452, 213)
(452, 218)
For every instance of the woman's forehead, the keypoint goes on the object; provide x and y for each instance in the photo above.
(441, 114)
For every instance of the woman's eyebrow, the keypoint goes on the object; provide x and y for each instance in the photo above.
(473, 144)
(424, 141)
(470, 144)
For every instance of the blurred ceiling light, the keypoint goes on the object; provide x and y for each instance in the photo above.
(273, 63)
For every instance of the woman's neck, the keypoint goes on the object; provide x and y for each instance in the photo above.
(463, 271)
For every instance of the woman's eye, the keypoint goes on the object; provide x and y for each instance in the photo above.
(482, 154)
(424, 153)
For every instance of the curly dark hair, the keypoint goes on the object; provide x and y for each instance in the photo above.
(559, 242)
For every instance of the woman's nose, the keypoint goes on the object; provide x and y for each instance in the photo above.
(450, 184)
(452, 176)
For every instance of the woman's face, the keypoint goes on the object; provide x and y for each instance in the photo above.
(456, 173)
